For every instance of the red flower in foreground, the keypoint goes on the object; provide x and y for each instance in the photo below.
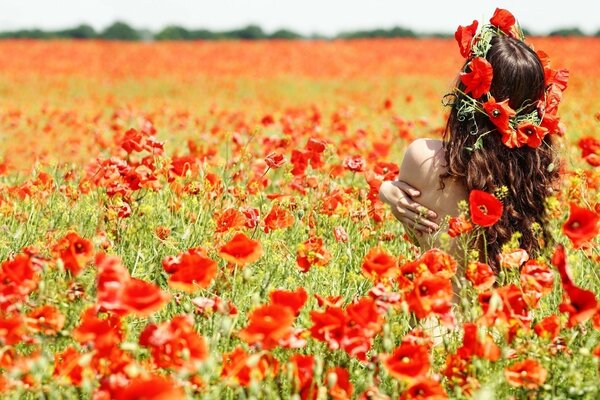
(143, 298)
(481, 275)
(464, 36)
(268, 326)
(275, 160)
(424, 388)
(241, 250)
(408, 361)
(527, 373)
(582, 225)
(238, 366)
(46, 319)
(230, 218)
(311, 252)
(74, 252)
(379, 264)
(459, 225)
(479, 79)
(278, 218)
(194, 271)
(151, 388)
(548, 327)
(340, 387)
(69, 364)
(355, 163)
(485, 208)
(293, 300)
(175, 343)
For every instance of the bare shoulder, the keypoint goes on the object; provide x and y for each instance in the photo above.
(423, 160)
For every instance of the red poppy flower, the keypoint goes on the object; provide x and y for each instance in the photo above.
(68, 364)
(424, 388)
(548, 327)
(293, 300)
(479, 345)
(303, 368)
(275, 160)
(175, 343)
(229, 219)
(104, 334)
(143, 298)
(528, 373)
(464, 36)
(408, 361)
(365, 314)
(241, 250)
(252, 216)
(481, 275)
(268, 326)
(12, 329)
(500, 114)
(559, 260)
(238, 366)
(278, 218)
(329, 326)
(46, 319)
(74, 252)
(311, 252)
(513, 258)
(194, 272)
(152, 387)
(379, 264)
(479, 79)
(459, 225)
(338, 381)
(530, 134)
(581, 304)
(485, 208)
(590, 150)
(386, 171)
(537, 276)
(340, 234)
(355, 163)
(582, 225)
(439, 263)
(504, 20)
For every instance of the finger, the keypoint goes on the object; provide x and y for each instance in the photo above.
(417, 227)
(407, 188)
(416, 207)
(417, 219)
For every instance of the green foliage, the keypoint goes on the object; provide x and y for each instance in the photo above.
(120, 31)
(574, 31)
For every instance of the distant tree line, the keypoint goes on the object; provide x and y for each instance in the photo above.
(122, 31)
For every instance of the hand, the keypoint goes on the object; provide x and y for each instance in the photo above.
(399, 196)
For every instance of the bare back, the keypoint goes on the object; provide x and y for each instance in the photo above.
(421, 167)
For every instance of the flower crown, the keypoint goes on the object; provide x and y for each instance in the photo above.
(518, 128)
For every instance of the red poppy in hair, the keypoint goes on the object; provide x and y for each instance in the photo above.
(485, 208)
(479, 79)
(504, 20)
(500, 114)
(464, 36)
(530, 134)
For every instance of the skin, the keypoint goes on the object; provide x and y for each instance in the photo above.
(419, 179)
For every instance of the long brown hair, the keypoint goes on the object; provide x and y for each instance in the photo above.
(529, 174)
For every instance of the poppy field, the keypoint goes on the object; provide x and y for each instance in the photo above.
(202, 220)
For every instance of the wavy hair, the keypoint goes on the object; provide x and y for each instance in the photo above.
(530, 174)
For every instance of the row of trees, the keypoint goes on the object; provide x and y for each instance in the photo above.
(123, 31)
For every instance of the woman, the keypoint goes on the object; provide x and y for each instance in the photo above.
(498, 135)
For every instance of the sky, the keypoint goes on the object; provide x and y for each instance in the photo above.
(305, 16)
